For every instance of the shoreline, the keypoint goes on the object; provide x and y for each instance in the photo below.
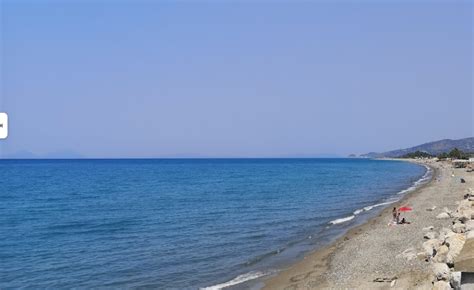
(258, 280)
(316, 269)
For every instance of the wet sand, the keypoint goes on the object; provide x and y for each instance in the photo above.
(374, 250)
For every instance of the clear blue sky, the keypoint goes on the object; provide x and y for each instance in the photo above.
(153, 79)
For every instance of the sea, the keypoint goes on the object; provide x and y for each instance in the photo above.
(181, 223)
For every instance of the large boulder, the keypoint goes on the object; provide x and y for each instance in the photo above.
(464, 204)
(430, 235)
(445, 233)
(464, 262)
(469, 235)
(431, 246)
(441, 285)
(443, 215)
(455, 280)
(455, 244)
(441, 254)
(448, 211)
(423, 256)
(464, 214)
(470, 225)
(440, 271)
(459, 228)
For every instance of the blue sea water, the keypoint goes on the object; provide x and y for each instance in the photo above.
(183, 223)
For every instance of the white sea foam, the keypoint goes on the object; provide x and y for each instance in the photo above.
(423, 179)
(370, 207)
(358, 211)
(411, 188)
(237, 280)
(342, 220)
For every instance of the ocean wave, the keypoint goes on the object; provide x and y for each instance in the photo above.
(358, 211)
(426, 177)
(411, 188)
(237, 280)
(342, 220)
(367, 208)
(370, 207)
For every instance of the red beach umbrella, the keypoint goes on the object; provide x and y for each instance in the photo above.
(405, 208)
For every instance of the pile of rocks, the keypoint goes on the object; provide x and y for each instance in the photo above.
(443, 246)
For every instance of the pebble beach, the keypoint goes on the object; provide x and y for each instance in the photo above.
(380, 255)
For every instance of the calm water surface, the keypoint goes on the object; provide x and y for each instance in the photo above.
(177, 223)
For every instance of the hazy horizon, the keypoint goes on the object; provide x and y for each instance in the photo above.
(240, 79)
(76, 155)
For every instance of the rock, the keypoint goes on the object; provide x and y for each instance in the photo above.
(470, 225)
(459, 228)
(444, 233)
(430, 235)
(427, 229)
(464, 204)
(455, 280)
(431, 246)
(469, 235)
(446, 210)
(441, 254)
(408, 254)
(441, 271)
(464, 214)
(464, 262)
(441, 285)
(423, 256)
(431, 208)
(443, 215)
(455, 244)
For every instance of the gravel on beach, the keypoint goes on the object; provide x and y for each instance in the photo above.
(379, 255)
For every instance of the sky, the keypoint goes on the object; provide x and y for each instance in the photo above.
(105, 79)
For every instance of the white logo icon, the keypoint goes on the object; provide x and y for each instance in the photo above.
(3, 125)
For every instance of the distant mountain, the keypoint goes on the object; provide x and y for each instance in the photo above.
(433, 148)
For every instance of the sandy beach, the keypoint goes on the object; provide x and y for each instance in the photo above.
(379, 255)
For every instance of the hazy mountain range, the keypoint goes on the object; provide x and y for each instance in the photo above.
(434, 148)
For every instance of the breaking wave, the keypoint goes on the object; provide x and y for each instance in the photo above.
(237, 280)
(423, 180)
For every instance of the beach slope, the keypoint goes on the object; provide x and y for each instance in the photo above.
(379, 255)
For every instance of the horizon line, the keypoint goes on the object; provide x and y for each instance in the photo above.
(171, 158)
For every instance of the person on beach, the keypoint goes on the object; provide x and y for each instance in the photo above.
(404, 221)
(394, 221)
